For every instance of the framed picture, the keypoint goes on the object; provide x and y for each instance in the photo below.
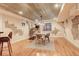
(47, 27)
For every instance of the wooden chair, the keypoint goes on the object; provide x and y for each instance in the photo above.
(39, 38)
(47, 37)
(6, 40)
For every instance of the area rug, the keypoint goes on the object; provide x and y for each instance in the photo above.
(48, 46)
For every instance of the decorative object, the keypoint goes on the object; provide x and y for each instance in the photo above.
(14, 28)
(55, 31)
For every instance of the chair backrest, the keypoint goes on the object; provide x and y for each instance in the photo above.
(10, 35)
(39, 36)
(47, 35)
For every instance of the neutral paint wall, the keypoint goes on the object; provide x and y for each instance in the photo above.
(14, 24)
(69, 36)
(69, 12)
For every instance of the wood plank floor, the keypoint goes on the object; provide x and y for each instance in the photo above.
(62, 48)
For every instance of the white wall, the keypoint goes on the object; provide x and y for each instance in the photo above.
(16, 21)
(1, 24)
(69, 12)
(69, 36)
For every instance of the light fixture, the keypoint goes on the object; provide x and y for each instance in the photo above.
(20, 12)
(37, 54)
(56, 5)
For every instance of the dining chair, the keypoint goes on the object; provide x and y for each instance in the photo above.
(39, 38)
(47, 37)
(6, 40)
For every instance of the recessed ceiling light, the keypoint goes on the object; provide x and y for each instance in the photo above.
(20, 12)
(56, 5)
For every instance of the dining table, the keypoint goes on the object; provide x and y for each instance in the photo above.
(41, 36)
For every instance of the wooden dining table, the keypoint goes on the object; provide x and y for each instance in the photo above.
(41, 36)
(44, 37)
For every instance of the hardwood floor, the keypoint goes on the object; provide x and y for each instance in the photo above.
(62, 48)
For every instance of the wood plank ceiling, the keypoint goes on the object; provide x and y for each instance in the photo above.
(33, 10)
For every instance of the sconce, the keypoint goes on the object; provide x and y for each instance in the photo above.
(66, 21)
(23, 24)
(62, 22)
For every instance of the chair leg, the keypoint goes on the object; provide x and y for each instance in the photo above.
(43, 41)
(9, 48)
(1, 48)
(48, 39)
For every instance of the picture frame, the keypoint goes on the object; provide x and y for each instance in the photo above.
(47, 27)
